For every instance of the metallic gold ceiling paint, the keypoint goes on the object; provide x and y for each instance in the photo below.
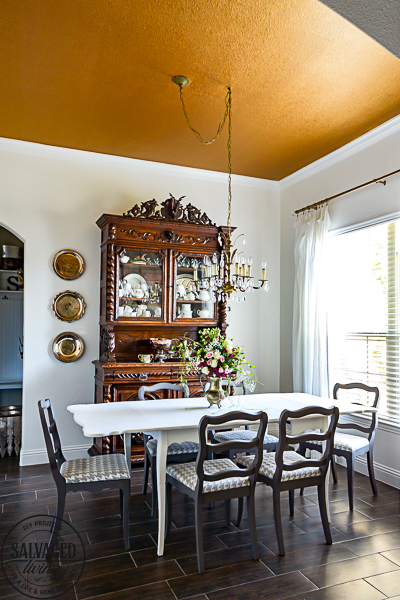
(96, 75)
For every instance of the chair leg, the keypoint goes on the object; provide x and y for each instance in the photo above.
(199, 537)
(121, 504)
(228, 513)
(278, 521)
(333, 468)
(57, 523)
(146, 472)
(168, 506)
(240, 512)
(252, 522)
(126, 492)
(324, 513)
(350, 478)
(370, 463)
(153, 487)
(291, 502)
(301, 491)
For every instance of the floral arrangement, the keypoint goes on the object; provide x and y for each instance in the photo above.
(215, 356)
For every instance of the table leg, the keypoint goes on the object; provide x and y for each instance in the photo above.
(128, 448)
(162, 445)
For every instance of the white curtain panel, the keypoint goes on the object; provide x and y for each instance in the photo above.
(310, 368)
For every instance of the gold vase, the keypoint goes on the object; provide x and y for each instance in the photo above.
(215, 393)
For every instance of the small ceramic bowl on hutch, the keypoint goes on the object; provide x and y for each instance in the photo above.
(145, 358)
(124, 259)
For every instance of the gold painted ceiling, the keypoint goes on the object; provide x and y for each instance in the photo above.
(96, 75)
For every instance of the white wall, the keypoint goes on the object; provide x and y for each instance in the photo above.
(367, 158)
(51, 198)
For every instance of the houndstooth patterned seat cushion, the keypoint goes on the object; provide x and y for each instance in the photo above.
(268, 465)
(243, 434)
(186, 474)
(173, 449)
(345, 441)
(95, 468)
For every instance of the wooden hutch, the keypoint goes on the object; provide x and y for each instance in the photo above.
(149, 258)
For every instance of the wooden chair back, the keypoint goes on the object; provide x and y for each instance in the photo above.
(218, 447)
(146, 390)
(286, 439)
(51, 437)
(370, 430)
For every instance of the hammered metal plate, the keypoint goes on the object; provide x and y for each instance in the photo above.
(68, 346)
(68, 264)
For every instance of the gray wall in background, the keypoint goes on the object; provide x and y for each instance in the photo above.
(380, 19)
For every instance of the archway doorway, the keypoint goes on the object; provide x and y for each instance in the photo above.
(11, 342)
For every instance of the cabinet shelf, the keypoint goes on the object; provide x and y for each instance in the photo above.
(192, 301)
(132, 265)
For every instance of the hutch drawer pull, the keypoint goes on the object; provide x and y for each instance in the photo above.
(143, 376)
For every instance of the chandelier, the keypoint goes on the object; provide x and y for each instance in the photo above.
(228, 275)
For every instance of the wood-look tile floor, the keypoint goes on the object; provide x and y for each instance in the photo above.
(363, 563)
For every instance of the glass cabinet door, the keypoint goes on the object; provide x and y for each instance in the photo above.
(140, 287)
(193, 300)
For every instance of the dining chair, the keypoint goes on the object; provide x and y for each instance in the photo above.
(286, 470)
(270, 441)
(176, 453)
(92, 473)
(208, 481)
(351, 445)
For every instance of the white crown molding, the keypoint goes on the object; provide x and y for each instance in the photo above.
(39, 456)
(368, 139)
(133, 164)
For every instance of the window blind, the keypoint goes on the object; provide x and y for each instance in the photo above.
(363, 313)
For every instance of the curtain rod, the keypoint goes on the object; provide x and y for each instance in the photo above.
(316, 204)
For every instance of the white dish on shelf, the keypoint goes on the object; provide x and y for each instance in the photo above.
(134, 279)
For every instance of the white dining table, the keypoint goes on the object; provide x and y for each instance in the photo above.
(177, 420)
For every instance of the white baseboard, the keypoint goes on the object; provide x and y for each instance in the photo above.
(382, 472)
(39, 456)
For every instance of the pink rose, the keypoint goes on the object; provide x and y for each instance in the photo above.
(221, 370)
(209, 354)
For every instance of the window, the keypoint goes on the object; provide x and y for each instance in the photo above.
(363, 313)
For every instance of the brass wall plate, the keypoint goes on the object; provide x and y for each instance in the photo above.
(69, 306)
(68, 346)
(68, 264)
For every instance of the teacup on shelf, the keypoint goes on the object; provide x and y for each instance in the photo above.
(145, 358)
(204, 313)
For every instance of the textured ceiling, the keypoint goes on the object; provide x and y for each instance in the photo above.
(96, 75)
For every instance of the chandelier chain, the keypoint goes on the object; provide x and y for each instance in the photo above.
(229, 144)
(228, 274)
(220, 126)
(227, 115)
